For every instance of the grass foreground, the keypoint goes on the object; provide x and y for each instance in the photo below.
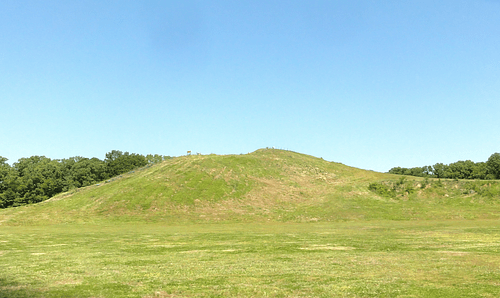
(268, 224)
(454, 258)
(361, 259)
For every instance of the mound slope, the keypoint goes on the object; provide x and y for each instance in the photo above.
(265, 185)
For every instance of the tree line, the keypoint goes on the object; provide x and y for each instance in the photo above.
(38, 178)
(458, 170)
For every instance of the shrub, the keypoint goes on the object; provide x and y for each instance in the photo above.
(382, 190)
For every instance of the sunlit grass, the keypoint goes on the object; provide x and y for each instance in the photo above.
(362, 259)
(271, 223)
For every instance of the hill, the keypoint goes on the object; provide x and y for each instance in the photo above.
(266, 185)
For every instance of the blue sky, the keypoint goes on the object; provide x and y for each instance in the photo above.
(371, 84)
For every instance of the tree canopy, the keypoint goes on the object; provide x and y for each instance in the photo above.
(37, 178)
(493, 165)
(458, 170)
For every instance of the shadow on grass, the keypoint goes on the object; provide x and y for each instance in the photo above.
(9, 289)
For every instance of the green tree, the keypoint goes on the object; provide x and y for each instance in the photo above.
(118, 162)
(462, 169)
(440, 170)
(4, 171)
(417, 171)
(81, 171)
(8, 178)
(39, 178)
(493, 165)
(397, 170)
(427, 171)
(480, 171)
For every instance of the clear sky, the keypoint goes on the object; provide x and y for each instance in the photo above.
(371, 84)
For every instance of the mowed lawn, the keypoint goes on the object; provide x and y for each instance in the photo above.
(350, 259)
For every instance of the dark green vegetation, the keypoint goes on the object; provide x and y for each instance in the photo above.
(267, 224)
(406, 189)
(457, 170)
(37, 178)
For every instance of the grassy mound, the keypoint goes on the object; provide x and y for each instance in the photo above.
(299, 227)
(266, 185)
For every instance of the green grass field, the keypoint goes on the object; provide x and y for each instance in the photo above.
(353, 259)
(268, 224)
